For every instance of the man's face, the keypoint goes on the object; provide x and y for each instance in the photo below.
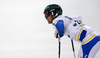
(49, 19)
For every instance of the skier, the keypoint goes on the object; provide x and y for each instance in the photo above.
(75, 29)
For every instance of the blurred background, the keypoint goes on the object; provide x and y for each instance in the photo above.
(25, 33)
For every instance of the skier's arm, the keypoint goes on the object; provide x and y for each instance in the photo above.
(60, 28)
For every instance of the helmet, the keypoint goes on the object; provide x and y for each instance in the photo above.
(53, 9)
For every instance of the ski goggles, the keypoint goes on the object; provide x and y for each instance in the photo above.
(46, 14)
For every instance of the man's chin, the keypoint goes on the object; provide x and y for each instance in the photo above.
(49, 22)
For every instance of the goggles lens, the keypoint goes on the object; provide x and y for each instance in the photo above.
(46, 14)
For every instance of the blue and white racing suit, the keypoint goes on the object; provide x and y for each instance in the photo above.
(73, 27)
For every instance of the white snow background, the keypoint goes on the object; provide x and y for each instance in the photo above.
(25, 33)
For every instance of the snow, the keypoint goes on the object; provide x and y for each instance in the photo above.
(25, 33)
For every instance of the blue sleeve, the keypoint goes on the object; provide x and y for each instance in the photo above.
(60, 27)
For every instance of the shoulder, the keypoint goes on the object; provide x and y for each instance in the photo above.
(58, 19)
